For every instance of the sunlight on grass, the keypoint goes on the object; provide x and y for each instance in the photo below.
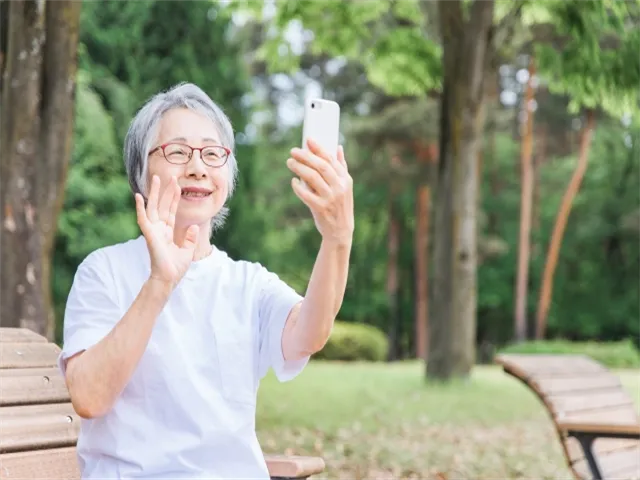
(385, 421)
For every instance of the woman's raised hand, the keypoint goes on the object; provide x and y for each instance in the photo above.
(169, 261)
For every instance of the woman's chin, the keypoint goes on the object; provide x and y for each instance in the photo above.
(197, 210)
(194, 216)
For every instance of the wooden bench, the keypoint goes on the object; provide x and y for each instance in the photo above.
(39, 428)
(595, 418)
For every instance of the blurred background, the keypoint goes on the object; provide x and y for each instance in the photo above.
(494, 148)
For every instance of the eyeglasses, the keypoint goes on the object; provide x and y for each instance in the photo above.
(181, 154)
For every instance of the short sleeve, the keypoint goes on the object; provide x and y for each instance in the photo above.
(275, 301)
(91, 310)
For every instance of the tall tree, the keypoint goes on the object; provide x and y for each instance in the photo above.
(427, 156)
(467, 47)
(526, 202)
(38, 93)
(561, 222)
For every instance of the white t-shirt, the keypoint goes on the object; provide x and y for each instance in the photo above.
(189, 408)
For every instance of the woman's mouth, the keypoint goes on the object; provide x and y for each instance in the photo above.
(195, 193)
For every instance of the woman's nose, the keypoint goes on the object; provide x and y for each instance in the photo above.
(196, 166)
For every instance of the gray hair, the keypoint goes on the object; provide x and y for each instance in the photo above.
(144, 127)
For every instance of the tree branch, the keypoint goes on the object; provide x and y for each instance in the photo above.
(505, 30)
(478, 45)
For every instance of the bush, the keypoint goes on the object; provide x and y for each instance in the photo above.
(354, 342)
(622, 354)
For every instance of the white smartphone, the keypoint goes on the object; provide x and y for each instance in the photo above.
(322, 124)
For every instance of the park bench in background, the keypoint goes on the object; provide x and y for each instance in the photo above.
(39, 428)
(595, 418)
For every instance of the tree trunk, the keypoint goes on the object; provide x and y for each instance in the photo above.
(538, 161)
(423, 205)
(526, 176)
(493, 169)
(561, 222)
(466, 48)
(425, 157)
(58, 107)
(22, 297)
(36, 123)
(392, 265)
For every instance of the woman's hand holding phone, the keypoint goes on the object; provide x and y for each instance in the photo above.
(328, 191)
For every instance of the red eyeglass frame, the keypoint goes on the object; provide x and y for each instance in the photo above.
(193, 149)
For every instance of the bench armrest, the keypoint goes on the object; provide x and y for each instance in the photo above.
(293, 466)
(600, 429)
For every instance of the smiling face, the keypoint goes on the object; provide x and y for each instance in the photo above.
(204, 187)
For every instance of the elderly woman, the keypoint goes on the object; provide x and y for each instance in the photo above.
(165, 337)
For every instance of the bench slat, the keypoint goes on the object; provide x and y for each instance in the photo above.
(20, 335)
(623, 415)
(600, 446)
(53, 464)
(35, 410)
(563, 404)
(629, 473)
(600, 428)
(585, 384)
(292, 466)
(35, 432)
(23, 372)
(24, 389)
(62, 464)
(533, 366)
(613, 464)
(28, 355)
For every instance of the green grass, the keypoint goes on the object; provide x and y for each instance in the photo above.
(383, 421)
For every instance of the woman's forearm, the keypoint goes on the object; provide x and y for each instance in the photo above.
(312, 326)
(97, 376)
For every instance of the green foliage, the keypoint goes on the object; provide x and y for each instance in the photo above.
(98, 203)
(354, 342)
(403, 62)
(391, 43)
(597, 281)
(597, 63)
(622, 354)
(591, 55)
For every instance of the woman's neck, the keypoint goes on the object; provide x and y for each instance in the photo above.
(203, 247)
(203, 250)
